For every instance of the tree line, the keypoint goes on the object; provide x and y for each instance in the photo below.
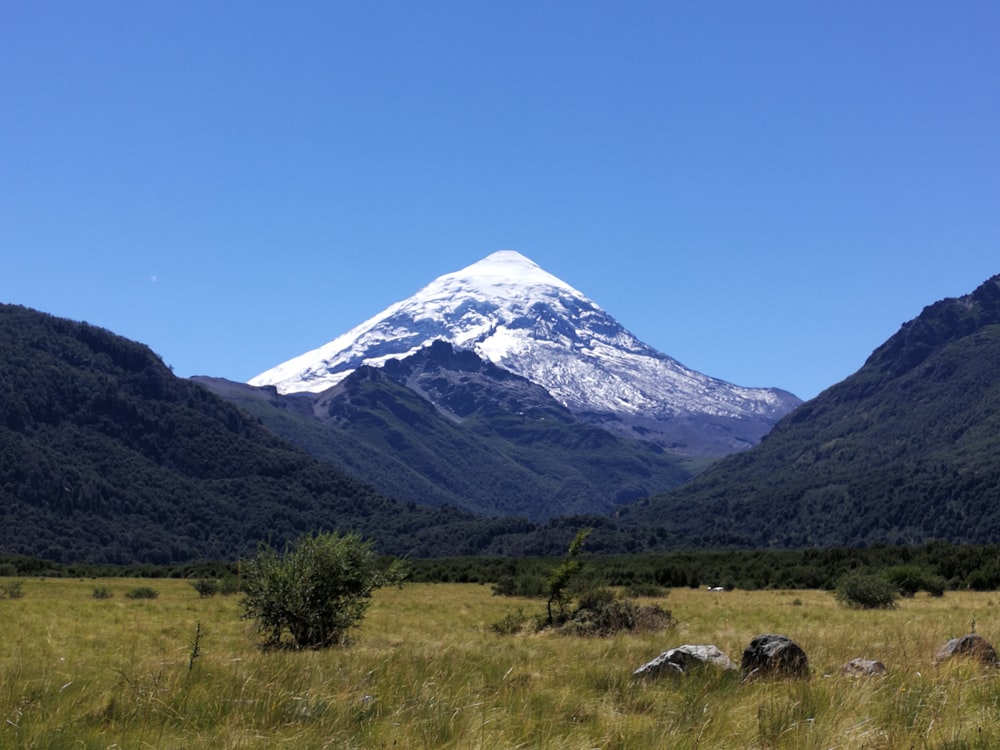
(916, 567)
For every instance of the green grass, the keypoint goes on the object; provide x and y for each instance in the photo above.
(426, 671)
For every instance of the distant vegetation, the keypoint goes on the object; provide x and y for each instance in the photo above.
(933, 568)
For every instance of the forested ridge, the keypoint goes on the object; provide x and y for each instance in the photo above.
(106, 456)
(903, 451)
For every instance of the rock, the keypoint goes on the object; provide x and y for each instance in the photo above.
(683, 659)
(970, 645)
(774, 655)
(863, 668)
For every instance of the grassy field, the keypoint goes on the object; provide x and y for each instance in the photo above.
(426, 671)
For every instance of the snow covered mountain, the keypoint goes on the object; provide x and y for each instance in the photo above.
(516, 315)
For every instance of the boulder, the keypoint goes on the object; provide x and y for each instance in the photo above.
(774, 656)
(863, 668)
(683, 659)
(971, 645)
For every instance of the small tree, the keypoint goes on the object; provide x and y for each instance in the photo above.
(310, 595)
(562, 576)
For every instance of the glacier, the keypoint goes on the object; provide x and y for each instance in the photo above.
(520, 317)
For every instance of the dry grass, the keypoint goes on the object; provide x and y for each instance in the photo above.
(426, 671)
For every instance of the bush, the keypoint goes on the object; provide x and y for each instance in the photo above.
(12, 589)
(866, 591)
(310, 595)
(600, 612)
(142, 592)
(909, 579)
(205, 587)
(512, 622)
(101, 592)
(229, 585)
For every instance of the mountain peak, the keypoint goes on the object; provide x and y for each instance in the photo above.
(511, 312)
(506, 269)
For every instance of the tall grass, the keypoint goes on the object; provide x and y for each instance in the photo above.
(427, 671)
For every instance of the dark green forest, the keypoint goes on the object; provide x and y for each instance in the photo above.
(913, 568)
(905, 450)
(107, 457)
(956, 567)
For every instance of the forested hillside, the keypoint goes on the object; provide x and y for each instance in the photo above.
(446, 427)
(903, 451)
(105, 456)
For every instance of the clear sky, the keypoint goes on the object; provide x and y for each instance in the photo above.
(764, 190)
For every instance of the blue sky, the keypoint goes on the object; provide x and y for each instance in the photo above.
(764, 191)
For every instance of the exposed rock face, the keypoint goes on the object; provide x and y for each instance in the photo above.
(684, 659)
(972, 646)
(863, 668)
(774, 655)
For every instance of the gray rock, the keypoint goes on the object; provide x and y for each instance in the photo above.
(683, 659)
(863, 668)
(971, 645)
(774, 656)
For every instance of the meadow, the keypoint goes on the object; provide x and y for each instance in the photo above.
(426, 670)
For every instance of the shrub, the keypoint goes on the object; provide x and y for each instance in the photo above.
(101, 592)
(983, 579)
(310, 595)
(909, 579)
(512, 622)
(935, 585)
(229, 585)
(142, 592)
(866, 591)
(600, 612)
(205, 587)
(12, 589)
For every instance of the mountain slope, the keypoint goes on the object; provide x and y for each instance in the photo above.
(445, 426)
(511, 312)
(105, 456)
(902, 451)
